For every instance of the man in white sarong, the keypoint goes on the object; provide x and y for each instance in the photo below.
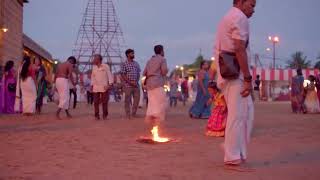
(155, 72)
(64, 73)
(233, 36)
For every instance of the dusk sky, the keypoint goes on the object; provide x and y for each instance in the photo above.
(182, 26)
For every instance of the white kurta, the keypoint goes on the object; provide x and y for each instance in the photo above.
(62, 85)
(157, 104)
(29, 95)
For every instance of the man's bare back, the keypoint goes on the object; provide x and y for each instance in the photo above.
(65, 70)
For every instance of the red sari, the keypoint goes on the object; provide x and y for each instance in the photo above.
(218, 118)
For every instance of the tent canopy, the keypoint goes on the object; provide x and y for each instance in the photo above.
(280, 74)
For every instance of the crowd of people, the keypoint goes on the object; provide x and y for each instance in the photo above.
(226, 103)
(232, 115)
(28, 86)
(305, 98)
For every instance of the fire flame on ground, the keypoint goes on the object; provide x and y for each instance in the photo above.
(155, 135)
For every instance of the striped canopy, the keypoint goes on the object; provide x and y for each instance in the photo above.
(280, 74)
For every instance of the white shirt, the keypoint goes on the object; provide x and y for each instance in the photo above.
(234, 25)
(101, 77)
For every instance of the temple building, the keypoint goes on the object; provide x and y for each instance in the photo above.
(14, 44)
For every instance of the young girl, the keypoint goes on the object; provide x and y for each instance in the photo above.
(311, 100)
(218, 118)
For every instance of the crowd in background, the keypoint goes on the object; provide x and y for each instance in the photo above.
(305, 95)
(35, 90)
(23, 89)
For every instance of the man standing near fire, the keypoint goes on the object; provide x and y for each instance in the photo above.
(155, 73)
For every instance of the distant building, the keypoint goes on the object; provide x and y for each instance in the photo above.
(33, 50)
(11, 30)
(13, 43)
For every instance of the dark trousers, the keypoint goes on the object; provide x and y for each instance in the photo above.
(89, 97)
(74, 93)
(129, 93)
(185, 97)
(101, 98)
(173, 101)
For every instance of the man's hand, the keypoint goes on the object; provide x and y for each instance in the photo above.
(134, 83)
(247, 89)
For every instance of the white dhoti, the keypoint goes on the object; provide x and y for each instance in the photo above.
(239, 121)
(141, 97)
(157, 104)
(29, 95)
(62, 86)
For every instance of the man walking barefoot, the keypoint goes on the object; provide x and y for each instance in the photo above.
(63, 74)
(155, 72)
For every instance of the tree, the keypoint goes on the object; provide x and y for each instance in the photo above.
(196, 64)
(317, 65)
(298, 60)
(194, 67)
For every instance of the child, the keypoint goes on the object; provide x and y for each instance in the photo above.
(218, 118)
(311, 100)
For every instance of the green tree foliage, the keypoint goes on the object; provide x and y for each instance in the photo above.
(298, 60)
(317, 65)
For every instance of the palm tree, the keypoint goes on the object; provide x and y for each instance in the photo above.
(299, 61)
(317, 65)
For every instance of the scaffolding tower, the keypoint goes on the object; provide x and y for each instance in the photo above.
(99, 33)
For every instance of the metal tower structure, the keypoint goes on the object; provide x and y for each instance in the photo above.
(99, 33)
(257, 61)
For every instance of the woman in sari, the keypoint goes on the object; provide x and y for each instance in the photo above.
(41, 84)
(318, 86)
(311, 100)
(200, 109)
(28, 87)
(297, 93)
(8, 88)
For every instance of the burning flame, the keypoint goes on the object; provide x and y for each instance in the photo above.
(156, 137)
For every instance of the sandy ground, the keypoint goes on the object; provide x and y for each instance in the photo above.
(284, 146)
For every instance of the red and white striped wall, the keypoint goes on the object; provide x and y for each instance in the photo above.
(281, 74)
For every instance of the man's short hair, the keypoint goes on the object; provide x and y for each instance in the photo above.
(72, 60)
(237, 1)
(98, 56)
(158, 49)
(299, 71)
(128, 51)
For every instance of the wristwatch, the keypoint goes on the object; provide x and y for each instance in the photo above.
(248, 78)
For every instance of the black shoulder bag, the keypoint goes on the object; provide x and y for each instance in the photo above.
(228, 64)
